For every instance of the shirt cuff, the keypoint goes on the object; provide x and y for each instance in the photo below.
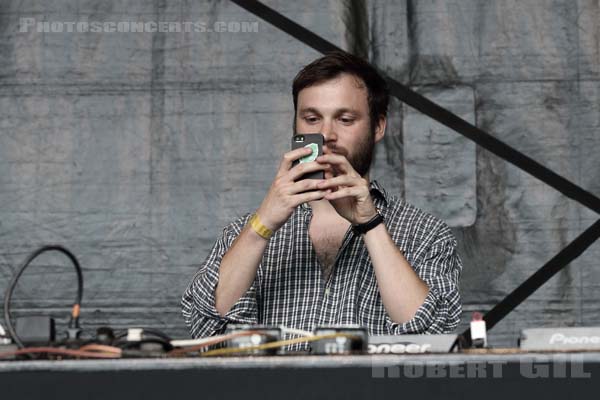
(433, 309)
(242, 312)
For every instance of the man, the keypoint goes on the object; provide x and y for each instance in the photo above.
(333, 251)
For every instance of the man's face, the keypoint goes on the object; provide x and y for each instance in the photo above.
(339, 110)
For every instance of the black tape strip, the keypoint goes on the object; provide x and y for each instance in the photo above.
(287, 25)
(541, 276)
(434, 111)
(494, 145)
(484, 140)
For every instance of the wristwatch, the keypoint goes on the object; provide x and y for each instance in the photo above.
(367, 226)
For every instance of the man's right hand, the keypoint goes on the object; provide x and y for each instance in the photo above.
(287, 192)
(240, 263)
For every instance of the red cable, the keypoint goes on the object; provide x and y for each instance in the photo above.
(64, 352)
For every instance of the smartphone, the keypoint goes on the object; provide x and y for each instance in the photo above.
(315, 142)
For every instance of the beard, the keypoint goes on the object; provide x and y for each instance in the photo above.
(362, 157)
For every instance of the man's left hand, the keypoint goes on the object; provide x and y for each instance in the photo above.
(350, 194)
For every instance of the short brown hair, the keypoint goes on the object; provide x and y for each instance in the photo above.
(335, 63)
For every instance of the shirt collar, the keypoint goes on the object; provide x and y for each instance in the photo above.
(379, 194)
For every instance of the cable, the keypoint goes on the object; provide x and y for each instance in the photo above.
(74, 321)
(199, 343)
(145, 331)
(101, 348)
(62, 352)
(211, 341)
(192, 342)
(294, 331)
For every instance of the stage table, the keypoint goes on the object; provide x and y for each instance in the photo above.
(449, 376)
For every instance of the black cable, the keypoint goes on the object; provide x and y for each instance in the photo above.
(74, 322)
(124, 344)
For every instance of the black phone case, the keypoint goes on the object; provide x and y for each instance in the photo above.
(308, 138)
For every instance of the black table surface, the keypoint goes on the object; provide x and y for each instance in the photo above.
(456, 375)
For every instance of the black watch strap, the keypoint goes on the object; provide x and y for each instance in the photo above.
(367, 226)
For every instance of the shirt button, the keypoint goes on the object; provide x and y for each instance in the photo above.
(327, 292)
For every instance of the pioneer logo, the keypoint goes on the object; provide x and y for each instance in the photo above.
(559, 338)
(399, 348)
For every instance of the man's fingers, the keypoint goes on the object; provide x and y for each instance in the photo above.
(288, 159)
(345, 192)
(304, 168)
(342, 180)
(309, 196)
(304, 185)
(340, 162)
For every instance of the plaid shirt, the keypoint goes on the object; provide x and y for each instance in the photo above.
(289, 288)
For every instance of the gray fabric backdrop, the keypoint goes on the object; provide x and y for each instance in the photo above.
(133, 149)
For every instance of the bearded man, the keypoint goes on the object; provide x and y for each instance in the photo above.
(332, 251)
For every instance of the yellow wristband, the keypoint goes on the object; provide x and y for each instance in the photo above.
(259, 228)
